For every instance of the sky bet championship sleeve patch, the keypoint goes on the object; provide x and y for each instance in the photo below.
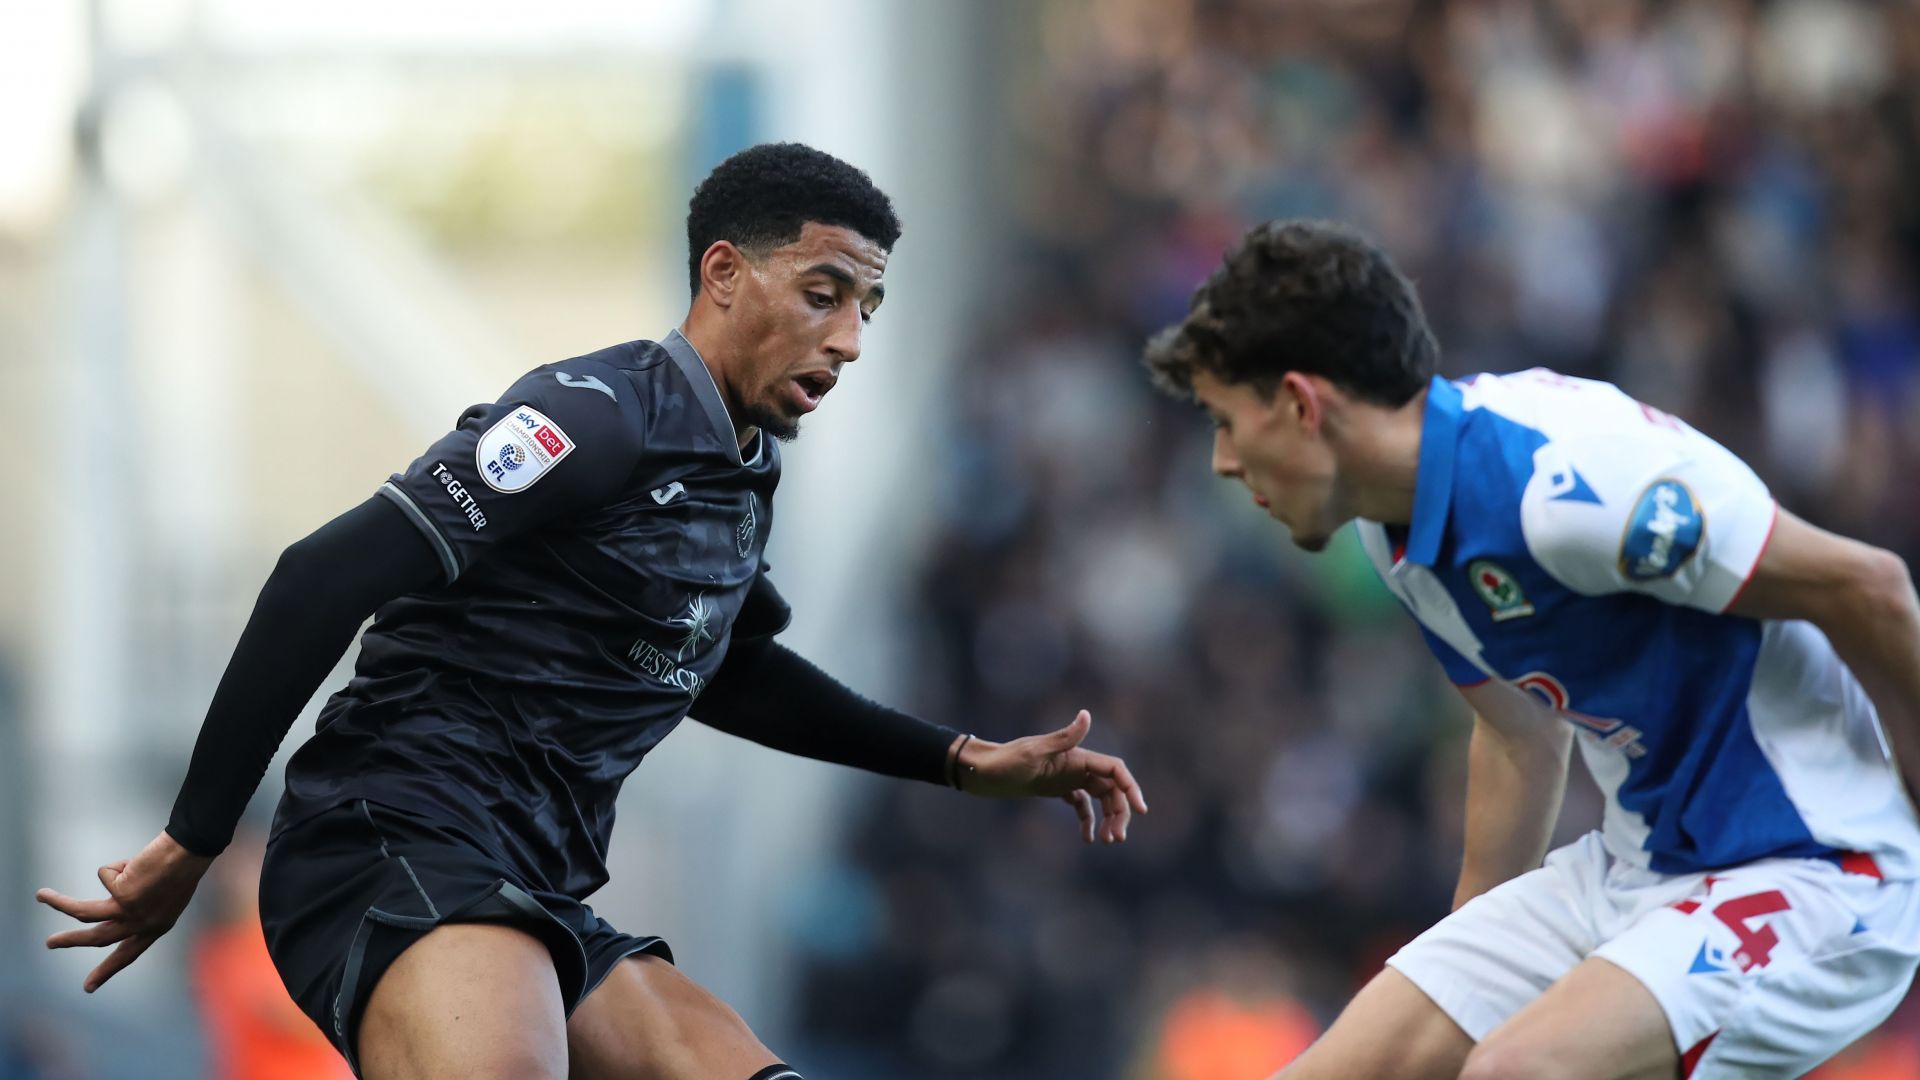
(1663, 532)
(520, 449)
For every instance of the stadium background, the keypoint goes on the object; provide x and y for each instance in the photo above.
(254, 256)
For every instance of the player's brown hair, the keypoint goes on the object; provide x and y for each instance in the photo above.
(1307, 296)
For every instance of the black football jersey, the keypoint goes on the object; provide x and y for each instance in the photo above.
(601, 536)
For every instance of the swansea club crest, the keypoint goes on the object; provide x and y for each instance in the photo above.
(744, 532)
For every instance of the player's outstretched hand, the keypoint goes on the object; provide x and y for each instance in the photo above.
(145, 896)
(1056, 764)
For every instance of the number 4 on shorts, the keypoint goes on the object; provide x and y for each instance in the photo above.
(1756, 945)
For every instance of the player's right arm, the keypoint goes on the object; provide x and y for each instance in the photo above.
(548, 448)
(320, 591)
(1516, 778)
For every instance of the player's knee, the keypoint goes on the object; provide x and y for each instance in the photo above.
(1496, 1060)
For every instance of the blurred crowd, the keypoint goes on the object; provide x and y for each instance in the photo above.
(1708, 202)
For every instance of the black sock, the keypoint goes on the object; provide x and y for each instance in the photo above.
(777, 1072)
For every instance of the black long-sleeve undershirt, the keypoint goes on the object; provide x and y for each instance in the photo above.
(326, 585)
(313, 603)
(772, 695)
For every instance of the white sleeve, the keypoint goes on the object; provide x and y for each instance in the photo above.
(1662, 511)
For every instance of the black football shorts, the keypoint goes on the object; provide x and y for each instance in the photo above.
(343, 893)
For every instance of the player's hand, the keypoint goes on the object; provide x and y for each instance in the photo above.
(145, 896)
(1056, 764)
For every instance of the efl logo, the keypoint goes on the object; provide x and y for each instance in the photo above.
(519, 450)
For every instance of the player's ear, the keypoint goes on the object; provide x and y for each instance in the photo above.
(721, 269)
(1301, 399)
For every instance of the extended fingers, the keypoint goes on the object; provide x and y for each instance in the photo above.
(1082, 804)
(105, 933)
(1123, 778)
(127, 953)
(1115, 813)
(1109, 823)
(92, 911)
(1115, 774)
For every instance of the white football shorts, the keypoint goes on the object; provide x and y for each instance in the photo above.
(1763, 970)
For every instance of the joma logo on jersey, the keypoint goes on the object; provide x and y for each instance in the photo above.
(1618, 734)
(1663, 532)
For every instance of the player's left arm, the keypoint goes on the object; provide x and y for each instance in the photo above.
(767, 693)
(1862, 598)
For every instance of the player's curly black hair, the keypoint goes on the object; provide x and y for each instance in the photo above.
(1307, 296)
(760, 197)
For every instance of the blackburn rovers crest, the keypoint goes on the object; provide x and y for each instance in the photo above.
(1505, 599)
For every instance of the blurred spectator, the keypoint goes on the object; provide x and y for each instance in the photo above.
(1711, 203)
(1236, 1020)
(1208, 1034)
(254, 1030)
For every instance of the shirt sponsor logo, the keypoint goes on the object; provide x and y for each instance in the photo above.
(1663, 533)
(696, 629)
(519, 450)
(656, 663)
(664, 495)
(457, 491)
(694, 623)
